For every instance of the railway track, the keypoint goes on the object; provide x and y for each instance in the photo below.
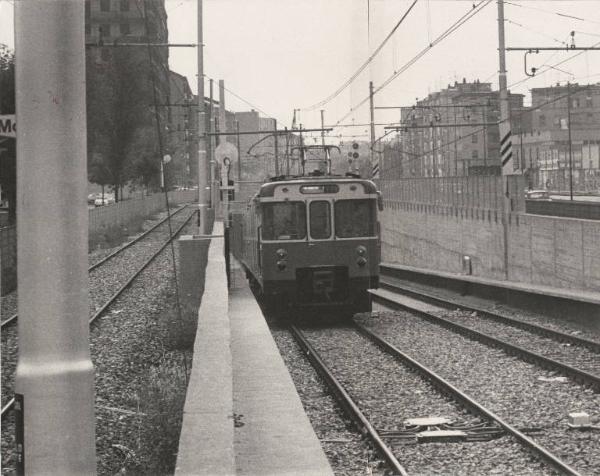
(388, 282)
(545, 347)
(97, 312)
(13, 318)
(411, 386)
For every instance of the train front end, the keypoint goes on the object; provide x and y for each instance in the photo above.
(319, 242)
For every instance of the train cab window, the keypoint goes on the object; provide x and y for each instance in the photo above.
(355, 218)
(284, 221)
(320, 220)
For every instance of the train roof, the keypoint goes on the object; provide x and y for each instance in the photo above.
(268, 189)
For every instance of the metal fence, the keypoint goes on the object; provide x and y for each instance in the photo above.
(122, 213)
(117, 214)
(480, 192)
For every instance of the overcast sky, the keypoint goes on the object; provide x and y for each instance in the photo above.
(285, 54)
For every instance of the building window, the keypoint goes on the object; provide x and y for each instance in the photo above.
(542, 120)
(104, 54)
(475, 154)
(474, 138)
(105, 5)
(88, 28)
(588, 101)
(124, 5)
(124, 28)
(105, 30)
(575, 102)
(87, 9)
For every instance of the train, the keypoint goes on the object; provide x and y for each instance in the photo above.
(311, 241)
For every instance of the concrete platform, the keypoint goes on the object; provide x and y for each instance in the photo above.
(242, 413)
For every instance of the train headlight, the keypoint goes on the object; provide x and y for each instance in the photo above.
(361, 261)
(361, 251)
(281, 265)
(281, 253)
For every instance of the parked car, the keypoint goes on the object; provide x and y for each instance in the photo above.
(537, 195)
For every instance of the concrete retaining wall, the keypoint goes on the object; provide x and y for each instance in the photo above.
(550, 251)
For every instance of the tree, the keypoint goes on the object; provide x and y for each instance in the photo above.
(8, 148)
(119, 117)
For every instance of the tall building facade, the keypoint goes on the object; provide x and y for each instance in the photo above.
(128, 82)
(182, 128)
(562, 140)
(452, 132)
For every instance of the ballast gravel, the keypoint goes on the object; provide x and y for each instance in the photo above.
(348, 453)
(123, 346)
(388, 394)
(574, 355)
(504, 384)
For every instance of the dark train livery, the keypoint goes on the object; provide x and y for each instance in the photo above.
(311, 241)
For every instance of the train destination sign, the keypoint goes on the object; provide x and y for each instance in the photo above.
(8, 125)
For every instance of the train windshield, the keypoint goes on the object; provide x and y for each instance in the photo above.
(284, 221)
(320, 221)
(355, 218)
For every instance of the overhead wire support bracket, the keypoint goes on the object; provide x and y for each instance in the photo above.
(537, 49)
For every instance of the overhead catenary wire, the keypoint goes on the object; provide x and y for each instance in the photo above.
(552, 12)
(474, 10)
(267, 115)
(351, 79)
(157, 119)
(549, 67)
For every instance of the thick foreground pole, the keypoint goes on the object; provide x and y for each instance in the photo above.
(55, 378)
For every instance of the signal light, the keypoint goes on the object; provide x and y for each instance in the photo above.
(355, 145)
(355, 155)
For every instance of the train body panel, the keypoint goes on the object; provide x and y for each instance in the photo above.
(311, 241)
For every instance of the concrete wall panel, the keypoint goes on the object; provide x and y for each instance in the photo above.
(568, 241)
(543, 250)
(543, 262)
(591, 254)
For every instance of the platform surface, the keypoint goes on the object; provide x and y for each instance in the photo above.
(242, 413)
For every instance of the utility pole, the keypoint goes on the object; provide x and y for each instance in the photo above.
(328, 166)
(506, 159)
(570, 141)
(302, 159)
(455, 147)
(287, 152)
(203, 185)
(209, 148)
(54, 384)
(372, 111)
(505, 134)
(276, 143)
(239, 164)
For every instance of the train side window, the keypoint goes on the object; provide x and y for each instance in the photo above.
(284, 221)
(320, 220)
(355, 218)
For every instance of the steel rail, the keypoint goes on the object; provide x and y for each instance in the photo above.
(114, 297)
(535, 328)
(578, 375)
(347, 403)
(12, 319)
(128, 283)
(462, 397)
